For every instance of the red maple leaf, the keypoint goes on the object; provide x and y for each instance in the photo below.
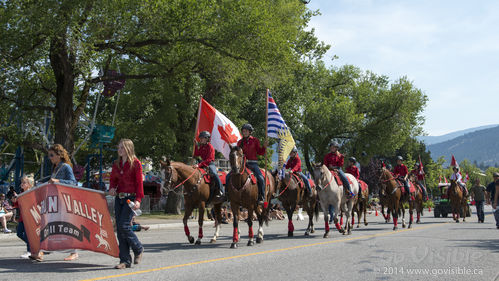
(226, 134)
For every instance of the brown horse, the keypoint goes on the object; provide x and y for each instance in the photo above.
(196, 194)
(418, 201)
(393, 194)
(243, 192)
(290, 194)
(458, 201)
(361, 206)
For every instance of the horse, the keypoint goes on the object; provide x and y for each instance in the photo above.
(418, 201)
(196, 194)
(243, 192)
(458, 201)
(393, 195)
(290, 194)
(330, 193)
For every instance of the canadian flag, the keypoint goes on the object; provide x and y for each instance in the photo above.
(224, 133)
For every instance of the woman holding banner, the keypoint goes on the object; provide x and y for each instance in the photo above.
(126, 183)
(62, 172)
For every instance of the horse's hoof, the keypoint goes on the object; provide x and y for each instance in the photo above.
(410, 226)
(418, 221)
(233, 245)
(198, 242)
(457, 221)
(358, 225)
(259, 240)
(290, 233)
(191, 239)
(326, 235)
(366, 223)
(213, 241)
(307, 233)
(312, 231)
(251, 243)
(403, 226)
(349, 232)
(341, 230)
(395, 228)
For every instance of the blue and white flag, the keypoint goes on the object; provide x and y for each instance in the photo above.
(277, 128)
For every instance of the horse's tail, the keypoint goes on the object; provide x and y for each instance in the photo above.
(316, 211)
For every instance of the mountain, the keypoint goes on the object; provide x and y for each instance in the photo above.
(429, 140)
(481, 146)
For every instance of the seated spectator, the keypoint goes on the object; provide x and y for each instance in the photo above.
(5, 213)
(12, 193)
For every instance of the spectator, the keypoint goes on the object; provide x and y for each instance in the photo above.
(491, 191)
(5, 213)
(12, 193)
(478, 194)
(26, 183)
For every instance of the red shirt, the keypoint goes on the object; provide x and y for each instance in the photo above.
(333, 160)
(419, 176)
(251, 147)
(354, 171)
(294, 164)
(207, 154)
(400, 170)
(128, 180)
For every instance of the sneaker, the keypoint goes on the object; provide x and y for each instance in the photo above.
(122, 266)
(26, 255)
(7, 230)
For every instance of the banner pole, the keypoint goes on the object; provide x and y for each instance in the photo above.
(197, 127)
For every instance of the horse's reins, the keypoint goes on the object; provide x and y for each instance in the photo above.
(332, 178)
(171, 169)
(289, 183)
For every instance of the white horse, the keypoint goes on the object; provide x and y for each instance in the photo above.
(331, 194)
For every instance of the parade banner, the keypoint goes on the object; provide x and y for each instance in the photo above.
(61, 217)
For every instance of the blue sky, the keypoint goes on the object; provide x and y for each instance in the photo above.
(449, 49)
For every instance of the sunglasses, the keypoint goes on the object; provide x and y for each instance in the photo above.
(51, 155)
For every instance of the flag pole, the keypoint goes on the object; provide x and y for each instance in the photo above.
(197, 127)
(266, 133)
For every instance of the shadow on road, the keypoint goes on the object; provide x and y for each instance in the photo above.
(482, 244)
(18, 265)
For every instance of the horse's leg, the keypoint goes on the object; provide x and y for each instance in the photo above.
(341, 218)
(200, 222)
(289, 211)
(187, 214)
(364, 209)
(411, 210)
(310, 213)
(250, 227)
(395, 214)
(349, 212)
(259, 237)
(402, 208)
(218, 222)
(235, 223)
(325, 209)
(336, 207)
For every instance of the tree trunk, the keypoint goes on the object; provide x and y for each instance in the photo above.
(173, 203)
(62, 66)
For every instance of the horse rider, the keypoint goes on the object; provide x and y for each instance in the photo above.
(401, 172)
(251, 149)
(456, 176)
(334, 161)
(352, 168)
(294, 164)
(205, 150)
(419, 174)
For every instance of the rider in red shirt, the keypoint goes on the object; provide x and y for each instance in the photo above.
(420, 179)
(401, 172)
(334, 161)
(352, 169)
(205, 150)
(251, 149)
(294, 164)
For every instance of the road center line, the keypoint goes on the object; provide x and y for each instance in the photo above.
(265, 252)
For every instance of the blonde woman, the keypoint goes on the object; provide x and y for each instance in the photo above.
(27, 183)
(126, 183)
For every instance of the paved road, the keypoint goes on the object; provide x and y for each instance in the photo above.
(436, 249)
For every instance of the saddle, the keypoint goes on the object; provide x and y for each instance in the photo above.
(400, 184)
(299, 180)
(363, 185)
(338, 179)
(253, 178)
(207, 177)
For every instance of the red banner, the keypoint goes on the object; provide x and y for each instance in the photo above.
(61, 217)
